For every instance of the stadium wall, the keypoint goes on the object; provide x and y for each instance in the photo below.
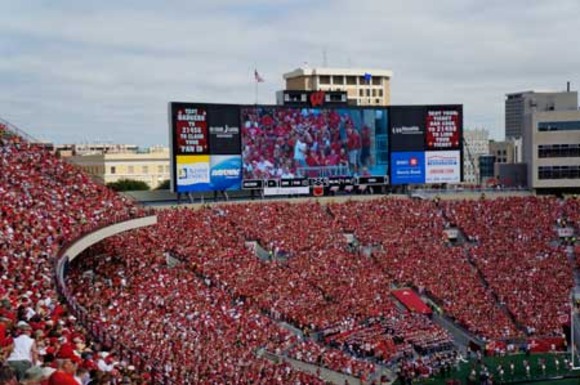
(74, 249)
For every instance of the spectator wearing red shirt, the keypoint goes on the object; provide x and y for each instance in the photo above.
(64, 375)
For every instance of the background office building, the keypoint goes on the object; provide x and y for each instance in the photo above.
(506, 151)
(508, 166)
(364, 87)
(68, 150)
(551, 143)
(475, 144)
(520, 104)
(486, 168)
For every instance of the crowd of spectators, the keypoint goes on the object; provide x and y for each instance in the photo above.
(211, 318)
(315, 353)
(322, 285)
(192, 329)
(44, 203)
(516, 250)
(280, 141)
(410, 248)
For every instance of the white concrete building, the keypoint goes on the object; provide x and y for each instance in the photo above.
(150, 166)
(475, 144)
(364, 86)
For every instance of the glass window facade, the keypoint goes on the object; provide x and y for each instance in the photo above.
(559, 151)
(559, 126)
(558, 172)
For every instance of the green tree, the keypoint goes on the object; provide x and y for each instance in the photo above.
(128, 185)
(165, 185)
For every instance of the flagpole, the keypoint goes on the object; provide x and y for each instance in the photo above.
(258, 79)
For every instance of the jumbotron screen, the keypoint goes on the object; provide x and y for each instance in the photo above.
(219, 147)
(285, 143)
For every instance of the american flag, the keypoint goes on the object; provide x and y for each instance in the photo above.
(257, 77)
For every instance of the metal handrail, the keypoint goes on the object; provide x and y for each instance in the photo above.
(17, 131)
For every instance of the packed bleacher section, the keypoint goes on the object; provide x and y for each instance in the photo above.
(339, 296)
(514, 250)
(45, 203)
(193, 331)
(408, 242)
(296, 291)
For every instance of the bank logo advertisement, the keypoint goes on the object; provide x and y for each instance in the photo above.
(408, 167)
(442, 167)
(209, 173)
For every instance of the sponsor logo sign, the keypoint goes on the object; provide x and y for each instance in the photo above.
(408, 167)
(442, 167)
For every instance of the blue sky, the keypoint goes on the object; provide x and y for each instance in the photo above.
(73, 71)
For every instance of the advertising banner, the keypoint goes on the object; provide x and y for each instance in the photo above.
(270, 191)
(566, 232)
(408, 167)
(443, 128)
(442, 167)
(407, 128)
(192, 172)
(224, 130)
(208, 173)
(189, 126)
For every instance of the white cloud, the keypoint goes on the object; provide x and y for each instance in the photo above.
(73, 70)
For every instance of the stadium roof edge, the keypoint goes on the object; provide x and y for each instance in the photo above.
(337, 71)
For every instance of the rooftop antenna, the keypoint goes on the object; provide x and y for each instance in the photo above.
(568, 86)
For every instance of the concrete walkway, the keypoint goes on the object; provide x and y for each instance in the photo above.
(323, 373)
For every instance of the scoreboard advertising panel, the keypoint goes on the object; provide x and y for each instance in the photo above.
(206, 152)
(426, 144)
(219, 147)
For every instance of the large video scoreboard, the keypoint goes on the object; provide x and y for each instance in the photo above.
(292, 149)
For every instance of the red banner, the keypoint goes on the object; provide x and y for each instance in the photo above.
(412, 301)
(544, 345)
(191, 131)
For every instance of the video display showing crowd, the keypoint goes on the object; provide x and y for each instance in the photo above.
(225, 147)
(252, 285)
(292, 142)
